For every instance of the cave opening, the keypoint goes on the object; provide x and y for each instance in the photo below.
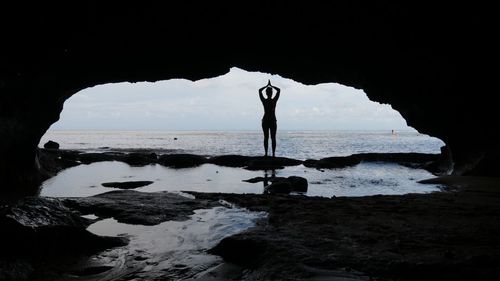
(221, 116)
(134, 144)
(227, 103)
(432, 63)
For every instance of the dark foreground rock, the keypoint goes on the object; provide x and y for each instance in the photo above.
(127, 184)
(44, 226)
(135, 207)
(438, 236)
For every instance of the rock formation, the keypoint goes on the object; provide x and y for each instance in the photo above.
(431, 63)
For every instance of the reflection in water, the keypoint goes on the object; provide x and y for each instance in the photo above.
(172, 249)
(267, 178)
(360, 180)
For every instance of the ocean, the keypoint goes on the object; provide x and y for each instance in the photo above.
(360, 180)
(294, 144)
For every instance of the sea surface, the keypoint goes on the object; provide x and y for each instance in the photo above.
(294, 144)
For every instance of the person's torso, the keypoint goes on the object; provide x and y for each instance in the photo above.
(269, 109)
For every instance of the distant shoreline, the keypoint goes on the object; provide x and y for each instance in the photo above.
(233, 130)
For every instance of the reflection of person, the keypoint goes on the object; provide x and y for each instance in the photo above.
(267, 178)
(269, 119)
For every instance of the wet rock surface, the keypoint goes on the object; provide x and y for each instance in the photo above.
(133, 207)
(127, 184)
(45, 226)
(438, 236)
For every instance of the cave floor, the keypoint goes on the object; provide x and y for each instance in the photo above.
(452, 235)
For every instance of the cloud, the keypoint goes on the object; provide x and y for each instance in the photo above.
(227, 102)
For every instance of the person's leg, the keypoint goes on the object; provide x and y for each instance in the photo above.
(273, 128)
(265, 129)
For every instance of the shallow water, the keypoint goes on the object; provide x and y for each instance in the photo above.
(174, 250)
(360, 180)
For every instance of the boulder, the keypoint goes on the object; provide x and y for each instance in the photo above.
(299, 184)
(287, 185)
(279, 187)
(51, 145)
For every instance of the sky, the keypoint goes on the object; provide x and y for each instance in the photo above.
(227, 102)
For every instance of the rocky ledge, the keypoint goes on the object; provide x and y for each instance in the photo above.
(135, 207)
(45, 226)
(452, 235)
(438, 236)
(56, 160)
(44, 238)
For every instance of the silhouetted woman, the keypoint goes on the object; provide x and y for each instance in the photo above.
(269, 119)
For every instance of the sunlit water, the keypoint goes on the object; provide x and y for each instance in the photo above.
(294, 144)
(361, 180)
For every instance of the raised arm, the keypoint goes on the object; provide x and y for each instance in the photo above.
(277, 96)
(261, 95)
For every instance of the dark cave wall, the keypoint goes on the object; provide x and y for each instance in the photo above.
(429, 62)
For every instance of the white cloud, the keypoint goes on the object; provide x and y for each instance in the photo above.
(226, 102)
